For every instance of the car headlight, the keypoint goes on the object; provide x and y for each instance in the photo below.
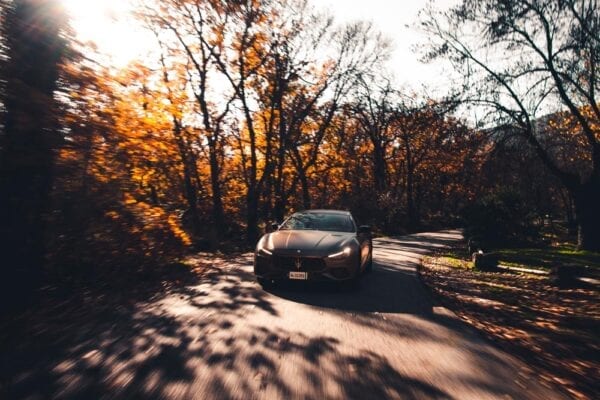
(341, 254)
(262, 250)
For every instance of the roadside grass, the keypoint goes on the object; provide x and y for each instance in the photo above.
(556, 248)
(547, 257)
(453, 259)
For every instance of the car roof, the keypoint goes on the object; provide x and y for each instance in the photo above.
(325, 211)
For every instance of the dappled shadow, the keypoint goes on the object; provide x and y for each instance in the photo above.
(221, 336)
(186, 343)
(553, 330)
(385, 289)
(124, 343)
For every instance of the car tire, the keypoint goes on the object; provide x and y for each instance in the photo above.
(353, 283)
(369, 266)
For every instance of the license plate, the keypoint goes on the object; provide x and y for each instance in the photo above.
(298, 275)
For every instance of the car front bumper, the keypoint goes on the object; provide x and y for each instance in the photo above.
(278, 267)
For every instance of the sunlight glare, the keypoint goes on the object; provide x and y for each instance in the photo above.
(110, 25)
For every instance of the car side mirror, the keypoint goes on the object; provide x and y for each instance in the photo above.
(364, 229)
(274, 226)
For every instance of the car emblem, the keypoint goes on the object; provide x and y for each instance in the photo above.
(298, 264)
(298, 251)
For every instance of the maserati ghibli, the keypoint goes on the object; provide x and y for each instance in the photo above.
(320, 245)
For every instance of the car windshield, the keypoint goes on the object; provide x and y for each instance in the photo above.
(319, 222)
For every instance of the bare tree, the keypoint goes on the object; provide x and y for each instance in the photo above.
(375, 112)
(523, 58)
(188, 32)
(357, 51)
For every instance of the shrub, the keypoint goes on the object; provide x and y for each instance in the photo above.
(500, 219)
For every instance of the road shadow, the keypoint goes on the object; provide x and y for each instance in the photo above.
(384, 290)
(196, 341)
(222, 336)
(392, 286)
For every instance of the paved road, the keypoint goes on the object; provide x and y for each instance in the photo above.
(225, 337)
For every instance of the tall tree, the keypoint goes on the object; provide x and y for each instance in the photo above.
(550, 58)
(375, 111)
(35, 48)
(190, 32)
(356, 51)
(239, 57)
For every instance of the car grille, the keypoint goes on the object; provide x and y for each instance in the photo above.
(306, 263)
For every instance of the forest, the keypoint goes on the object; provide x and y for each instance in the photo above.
(248, 110)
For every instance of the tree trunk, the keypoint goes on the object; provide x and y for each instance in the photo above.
(34, 50)
(267, 208)
(192, 200)
(280, 200)
(252, 215)
(279, 209)
(153, 195)
(567, 200)
(410, 201)
(379, 167)
(25, 185)
(587, 209)
(189, 188)
(305, 189)
(217, 202)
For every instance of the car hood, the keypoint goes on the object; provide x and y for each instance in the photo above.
(307, 241)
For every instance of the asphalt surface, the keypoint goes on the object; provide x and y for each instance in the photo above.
(225, 337)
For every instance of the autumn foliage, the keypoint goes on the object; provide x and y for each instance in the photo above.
(243, 112)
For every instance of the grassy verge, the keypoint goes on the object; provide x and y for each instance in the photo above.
(548, 257)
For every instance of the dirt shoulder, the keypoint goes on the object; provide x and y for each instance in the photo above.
(553, 330)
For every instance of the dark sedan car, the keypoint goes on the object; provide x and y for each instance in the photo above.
(314, 245)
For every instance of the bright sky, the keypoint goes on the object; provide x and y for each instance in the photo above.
(106, 23)
(397, 19)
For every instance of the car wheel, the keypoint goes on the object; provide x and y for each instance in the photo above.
(369, 266)
(353, 283)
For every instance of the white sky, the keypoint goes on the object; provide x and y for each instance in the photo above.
(105, 23)
(398, 20)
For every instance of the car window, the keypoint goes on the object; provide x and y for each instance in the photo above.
(320, 222)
